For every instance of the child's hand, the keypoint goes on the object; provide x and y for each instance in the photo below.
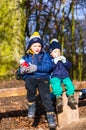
(23, 69)
(63, 59)
(56, 60)
(32, 68)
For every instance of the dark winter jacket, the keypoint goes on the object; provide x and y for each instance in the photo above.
(61, 69)
(43, 63)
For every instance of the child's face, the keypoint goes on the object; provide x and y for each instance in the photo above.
(36, 48)
(55, 53)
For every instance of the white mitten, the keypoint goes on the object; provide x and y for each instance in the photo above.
(63, 59)
(56, 60)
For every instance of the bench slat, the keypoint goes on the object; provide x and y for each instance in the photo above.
(9, 92)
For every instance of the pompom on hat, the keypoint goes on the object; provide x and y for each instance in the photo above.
(54, 44)
(34, 38)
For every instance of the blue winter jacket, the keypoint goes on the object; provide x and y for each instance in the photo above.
(61, 69)
(43, 63)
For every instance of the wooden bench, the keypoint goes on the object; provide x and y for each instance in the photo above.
(66, 117)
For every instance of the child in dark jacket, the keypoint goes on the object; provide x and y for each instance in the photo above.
(35, 67)
(60, 75)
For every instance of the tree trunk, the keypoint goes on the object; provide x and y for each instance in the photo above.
(12, 34)
(73, 43)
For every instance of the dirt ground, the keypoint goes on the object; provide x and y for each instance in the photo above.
(13, 113)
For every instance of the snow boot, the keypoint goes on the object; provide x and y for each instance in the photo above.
(72, 102)
(51, 120)
(31, 110)
(59, 104)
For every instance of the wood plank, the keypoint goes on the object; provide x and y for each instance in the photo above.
(9, 92)
(21, 91)
(79, 84)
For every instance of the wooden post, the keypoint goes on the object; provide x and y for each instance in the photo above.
(68, 115)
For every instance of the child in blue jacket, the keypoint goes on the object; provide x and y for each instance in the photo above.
(36, 75)
(60, 75)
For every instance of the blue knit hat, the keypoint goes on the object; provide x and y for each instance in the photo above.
(34, 38)
(54, 44)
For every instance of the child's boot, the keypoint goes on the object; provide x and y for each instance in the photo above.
(51, 120)
(31, 109)
(59, 104)
(72, 102)
(59, 101)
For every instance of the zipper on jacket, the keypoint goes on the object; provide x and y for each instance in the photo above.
(32, 59)
(33, 63)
